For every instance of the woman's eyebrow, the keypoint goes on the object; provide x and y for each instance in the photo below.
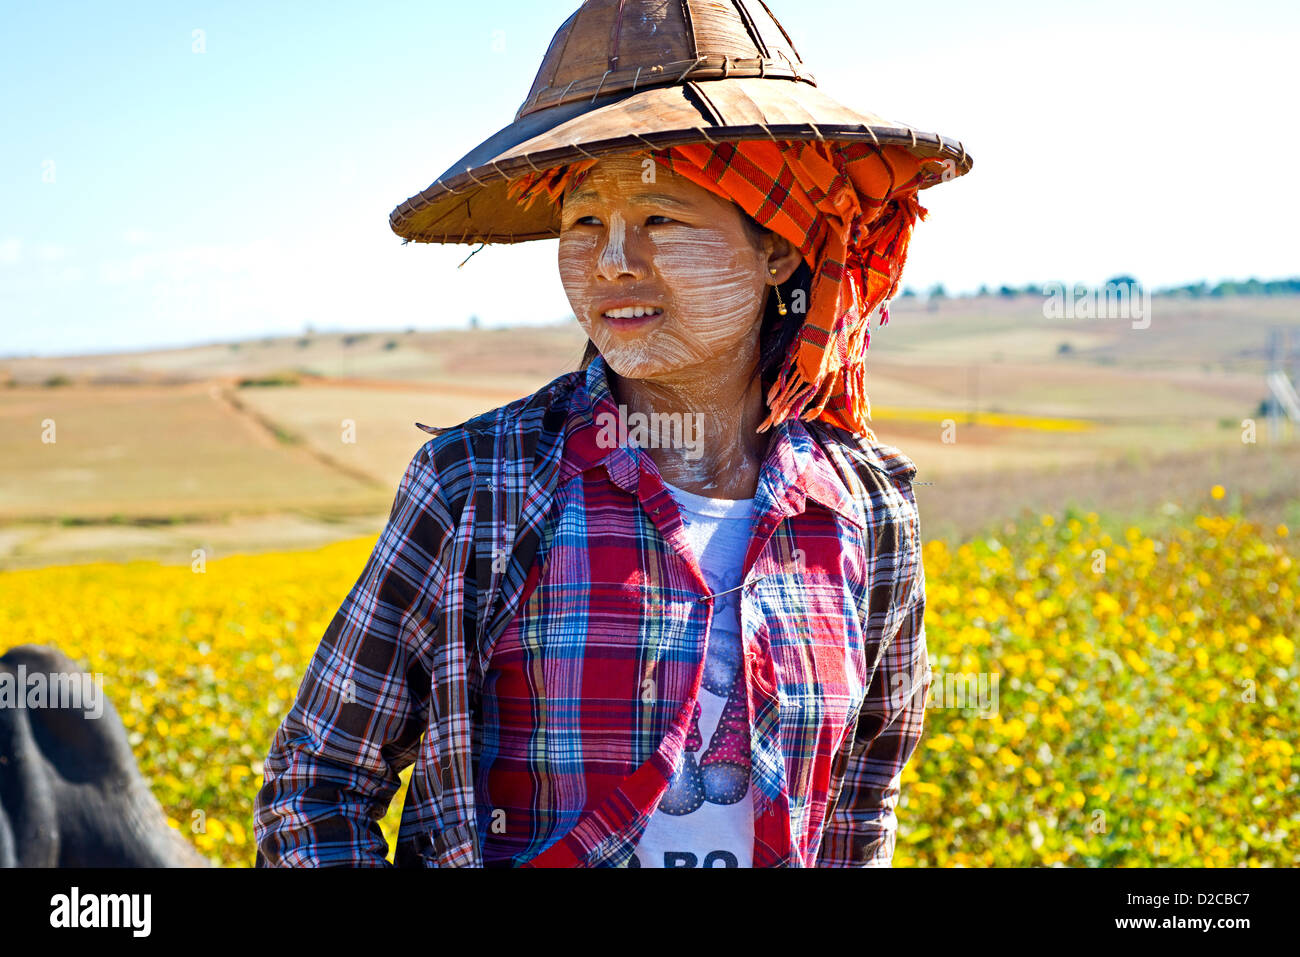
(641, 199)
(661, 198)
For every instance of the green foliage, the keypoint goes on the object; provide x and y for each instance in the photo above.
(271, 379)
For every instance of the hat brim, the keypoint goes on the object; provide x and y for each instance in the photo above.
(468, 203)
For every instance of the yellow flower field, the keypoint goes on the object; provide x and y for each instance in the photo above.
(1146, 708)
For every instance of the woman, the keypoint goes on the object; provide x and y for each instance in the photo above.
(700, 641)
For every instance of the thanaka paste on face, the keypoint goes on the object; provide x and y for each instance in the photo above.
(711, 280)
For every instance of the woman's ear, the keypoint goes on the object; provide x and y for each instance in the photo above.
(781, 256)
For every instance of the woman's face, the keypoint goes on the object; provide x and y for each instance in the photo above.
(670, 248)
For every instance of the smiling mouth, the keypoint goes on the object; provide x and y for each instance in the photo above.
(633, 312)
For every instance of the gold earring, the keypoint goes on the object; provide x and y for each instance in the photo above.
(780, 303)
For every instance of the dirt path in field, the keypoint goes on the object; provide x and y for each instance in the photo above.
(254, 426)
(269, 434)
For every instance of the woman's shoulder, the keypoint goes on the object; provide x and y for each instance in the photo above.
(864, 452)
(879, 477)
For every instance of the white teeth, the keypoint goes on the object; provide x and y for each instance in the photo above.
(633, 312)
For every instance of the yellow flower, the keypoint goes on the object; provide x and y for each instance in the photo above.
(1217, 492)
(1015, 729)
(1135, 661)
(1284, 648)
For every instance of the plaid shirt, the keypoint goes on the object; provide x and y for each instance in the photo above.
(555, 751)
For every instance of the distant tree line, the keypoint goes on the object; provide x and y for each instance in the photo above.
(1248, 287)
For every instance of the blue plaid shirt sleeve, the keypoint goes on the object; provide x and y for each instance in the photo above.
(332, 768)
(861, 829)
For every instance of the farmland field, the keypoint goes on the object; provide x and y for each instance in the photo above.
(286, 441)
(151, 453)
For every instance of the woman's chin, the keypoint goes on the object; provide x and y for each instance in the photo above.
(632, 363)
(633, 357)
(644, 357)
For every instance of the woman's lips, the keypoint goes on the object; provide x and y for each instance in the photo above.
(627, 318)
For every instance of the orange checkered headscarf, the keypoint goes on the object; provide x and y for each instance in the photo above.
(849, 208)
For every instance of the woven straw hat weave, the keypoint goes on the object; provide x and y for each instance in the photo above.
(626, 75)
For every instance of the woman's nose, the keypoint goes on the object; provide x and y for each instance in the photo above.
(617, 254)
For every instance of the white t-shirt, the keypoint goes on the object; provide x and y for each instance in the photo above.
(706, 818)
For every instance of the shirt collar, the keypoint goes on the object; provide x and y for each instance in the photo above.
(795, 468)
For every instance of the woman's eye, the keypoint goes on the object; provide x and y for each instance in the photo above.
(650, 221)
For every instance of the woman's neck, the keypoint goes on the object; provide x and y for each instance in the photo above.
(704, 420)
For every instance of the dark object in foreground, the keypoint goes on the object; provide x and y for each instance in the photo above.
(71, 794)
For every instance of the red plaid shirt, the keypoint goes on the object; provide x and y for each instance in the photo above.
(585, 700)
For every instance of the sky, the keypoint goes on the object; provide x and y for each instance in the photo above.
(177, 173)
